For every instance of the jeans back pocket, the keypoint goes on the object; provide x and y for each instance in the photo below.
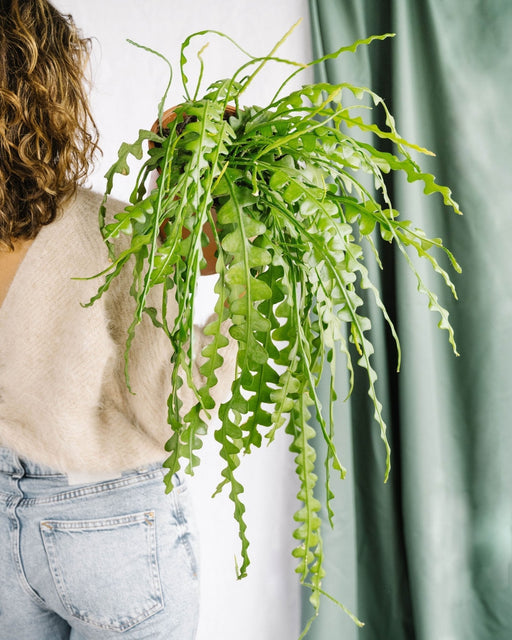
(105, 571)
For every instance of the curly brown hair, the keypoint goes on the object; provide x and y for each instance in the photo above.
(47, 133)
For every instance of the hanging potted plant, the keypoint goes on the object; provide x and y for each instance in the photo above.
(282, 189)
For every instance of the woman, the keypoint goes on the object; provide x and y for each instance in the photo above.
(90, 545)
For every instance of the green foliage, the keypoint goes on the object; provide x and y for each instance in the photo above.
(287, 184)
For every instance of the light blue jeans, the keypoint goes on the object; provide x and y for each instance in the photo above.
(111, 559)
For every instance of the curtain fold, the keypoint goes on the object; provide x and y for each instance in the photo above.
(428, 556)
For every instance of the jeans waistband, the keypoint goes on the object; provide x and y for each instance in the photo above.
(14, 465)
(36, 481)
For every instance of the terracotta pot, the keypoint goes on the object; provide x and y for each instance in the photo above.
(169, 115)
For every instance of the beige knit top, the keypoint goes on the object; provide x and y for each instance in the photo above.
(63, 396)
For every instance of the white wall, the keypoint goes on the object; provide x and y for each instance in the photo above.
(127, 86)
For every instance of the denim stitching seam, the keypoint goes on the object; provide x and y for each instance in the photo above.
(12, 506)
(111, 485)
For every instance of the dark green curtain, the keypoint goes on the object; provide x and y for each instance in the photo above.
(428, 556)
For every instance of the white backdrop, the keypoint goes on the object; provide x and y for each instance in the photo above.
(127, 84)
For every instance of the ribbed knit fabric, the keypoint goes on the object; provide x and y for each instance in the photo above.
(63, 395)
